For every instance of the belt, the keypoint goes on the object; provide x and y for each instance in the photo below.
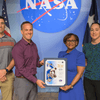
(20, 76)
(23, 76)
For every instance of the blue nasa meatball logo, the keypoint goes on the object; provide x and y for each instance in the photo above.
(50, 16)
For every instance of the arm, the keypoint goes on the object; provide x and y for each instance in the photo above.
(10, 66)
(3, 79)
(40, 82)
(84, 51)
(79, 74)
(41, 62)
(85, 62)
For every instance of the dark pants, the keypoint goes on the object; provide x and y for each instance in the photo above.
(92, 89)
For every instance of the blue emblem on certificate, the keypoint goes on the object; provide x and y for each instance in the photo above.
(55, 71)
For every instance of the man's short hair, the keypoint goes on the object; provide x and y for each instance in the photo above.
(1, 17)
(26, 22)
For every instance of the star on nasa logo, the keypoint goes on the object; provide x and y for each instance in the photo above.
(50, 16)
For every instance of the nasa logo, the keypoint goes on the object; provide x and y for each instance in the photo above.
(50, 16)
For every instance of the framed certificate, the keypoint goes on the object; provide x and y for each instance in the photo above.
(55, 71)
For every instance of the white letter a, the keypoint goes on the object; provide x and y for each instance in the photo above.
(71, 3)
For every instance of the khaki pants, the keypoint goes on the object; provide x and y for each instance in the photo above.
(7, 87)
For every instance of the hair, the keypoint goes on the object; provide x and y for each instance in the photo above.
(1, 17)
(26, 22)
(95, 23)
(68, 36)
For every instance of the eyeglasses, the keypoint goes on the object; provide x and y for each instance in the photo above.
(72, 41)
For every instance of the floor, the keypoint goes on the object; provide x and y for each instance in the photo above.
(44, 96)
(47, 96)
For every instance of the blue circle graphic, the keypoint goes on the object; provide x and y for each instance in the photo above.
(50, 16)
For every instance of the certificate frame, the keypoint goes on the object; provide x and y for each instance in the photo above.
(55, 72)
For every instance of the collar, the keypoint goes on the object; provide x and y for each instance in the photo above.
(71, 51)
(4, 36)
(95, 44)
(26, 43)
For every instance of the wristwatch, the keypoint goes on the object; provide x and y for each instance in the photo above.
(7, 70)
(71, 86)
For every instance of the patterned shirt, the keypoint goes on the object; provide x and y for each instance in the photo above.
(6, 45)
(92, 54)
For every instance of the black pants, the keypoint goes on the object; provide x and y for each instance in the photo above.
(92, 89)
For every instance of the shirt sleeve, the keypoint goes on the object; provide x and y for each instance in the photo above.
(38, 62)
(18, 56)
(80, 59)
(59, 54)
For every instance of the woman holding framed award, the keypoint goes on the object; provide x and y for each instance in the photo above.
(92, 72)
(75, 68)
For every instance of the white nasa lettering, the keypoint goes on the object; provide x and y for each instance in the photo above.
(32, 5)
(71, 3)
(46, 3)
(60, 6)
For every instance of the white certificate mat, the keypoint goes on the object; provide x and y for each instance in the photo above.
(55, 71)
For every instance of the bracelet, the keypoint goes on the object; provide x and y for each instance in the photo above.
(7, 70)
(71, 86)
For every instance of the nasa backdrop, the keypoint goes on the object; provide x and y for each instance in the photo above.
(50, 16)
(52, 20)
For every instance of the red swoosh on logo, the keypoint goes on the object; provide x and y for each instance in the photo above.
(45, 12)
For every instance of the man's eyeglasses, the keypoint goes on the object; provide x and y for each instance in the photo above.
(72, 41)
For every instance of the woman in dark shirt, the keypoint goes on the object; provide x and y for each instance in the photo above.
(92, 71)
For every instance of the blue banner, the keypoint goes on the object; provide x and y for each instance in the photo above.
(52, 20)
(98, 8)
